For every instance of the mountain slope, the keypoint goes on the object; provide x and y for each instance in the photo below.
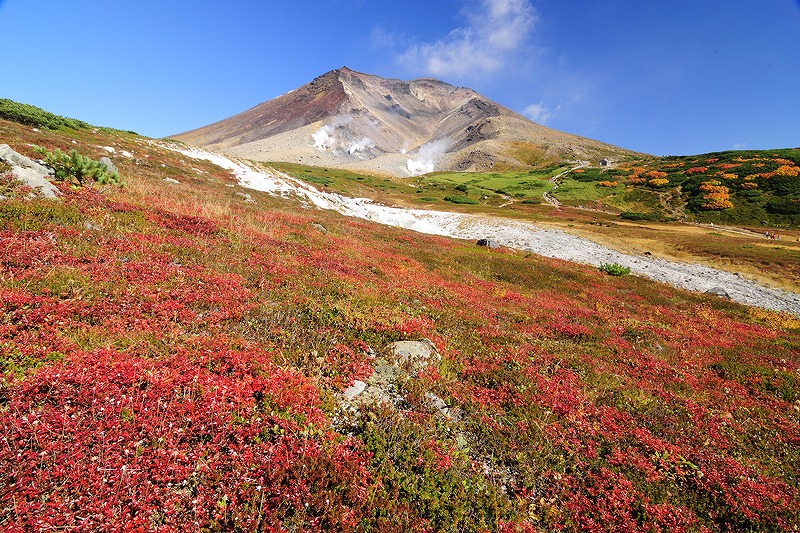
(353, 120)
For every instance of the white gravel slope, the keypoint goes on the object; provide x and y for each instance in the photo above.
(514, 234)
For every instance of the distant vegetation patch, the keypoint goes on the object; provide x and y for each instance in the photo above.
(653, 217)
(458, 199)
(530, 184)
(37, 117)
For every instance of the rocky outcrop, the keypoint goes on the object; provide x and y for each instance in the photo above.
(403, 361)
(30, 173)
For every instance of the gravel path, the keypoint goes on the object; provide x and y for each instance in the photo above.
(516, 234)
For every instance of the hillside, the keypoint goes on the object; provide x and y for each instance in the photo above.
(183, 350)
(755, 187)
(347, 119)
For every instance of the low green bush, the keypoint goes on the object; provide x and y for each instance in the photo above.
(455, 199)
(37, 117)
(77, 169)
(614, 269)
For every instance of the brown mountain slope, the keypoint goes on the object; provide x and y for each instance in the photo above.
(352, 120)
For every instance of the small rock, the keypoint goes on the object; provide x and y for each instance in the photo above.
(172, 180)
(319, 227)
(437, 403)
(354, 390)
(490, 243)
(719, 291)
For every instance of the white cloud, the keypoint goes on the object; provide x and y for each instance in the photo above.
(495, 30)
(540, 113)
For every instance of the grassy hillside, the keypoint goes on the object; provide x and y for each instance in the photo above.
(172, 354)
(737, 187)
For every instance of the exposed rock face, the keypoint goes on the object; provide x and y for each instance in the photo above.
(29, 172)
(352, 120)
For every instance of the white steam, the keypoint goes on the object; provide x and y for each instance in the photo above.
(428, 155)
(338, 136)
(361, 146)
(329, 137)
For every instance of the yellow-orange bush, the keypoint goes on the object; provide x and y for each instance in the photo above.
(712, 186)
(607, 184)
(658, 182)
(717, 203)
(748, 185)
(655, 174)
(788, 170)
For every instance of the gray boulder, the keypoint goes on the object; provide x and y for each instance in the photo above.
(110, 166)
(29, 172)
(490, 243)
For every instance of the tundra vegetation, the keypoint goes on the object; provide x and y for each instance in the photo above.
(172, 358)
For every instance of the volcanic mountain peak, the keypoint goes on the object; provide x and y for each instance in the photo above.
(349, 119)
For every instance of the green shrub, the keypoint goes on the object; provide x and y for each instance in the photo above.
(783, 206)
(614, 269)
(654, 217)
(77, 169)
(35, 116)
(455, 199)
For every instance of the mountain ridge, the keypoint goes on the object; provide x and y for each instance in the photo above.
(349, 119)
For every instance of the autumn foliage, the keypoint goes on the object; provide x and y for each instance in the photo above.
(173, 360)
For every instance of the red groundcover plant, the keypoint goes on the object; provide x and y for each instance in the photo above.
(165, 371)
(110, 442)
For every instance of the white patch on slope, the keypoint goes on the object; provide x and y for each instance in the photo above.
(514, 234)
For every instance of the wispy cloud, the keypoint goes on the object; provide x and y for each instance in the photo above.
(539, 112)
(492, 33)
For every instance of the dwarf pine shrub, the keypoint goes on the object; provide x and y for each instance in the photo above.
(78, 169)
(614, 269)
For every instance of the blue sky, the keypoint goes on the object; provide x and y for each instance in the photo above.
(662, 77)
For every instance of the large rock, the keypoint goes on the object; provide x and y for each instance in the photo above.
(490, 243)
(29, 172)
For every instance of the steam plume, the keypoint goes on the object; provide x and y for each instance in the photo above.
(428, 155)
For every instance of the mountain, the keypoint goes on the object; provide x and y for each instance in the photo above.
(348, 119)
